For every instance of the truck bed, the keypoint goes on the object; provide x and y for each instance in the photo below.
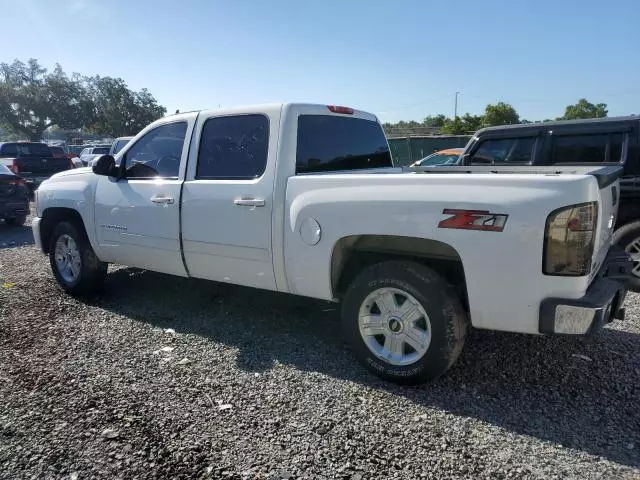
(605, 175)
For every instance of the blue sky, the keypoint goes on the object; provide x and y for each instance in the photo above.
(401, 60)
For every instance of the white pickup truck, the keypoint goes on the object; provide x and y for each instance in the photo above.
(304, 199)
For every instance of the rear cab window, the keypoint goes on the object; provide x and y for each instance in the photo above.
(25, 150)
(337, 143)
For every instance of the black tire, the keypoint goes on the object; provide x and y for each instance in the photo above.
(447, 318)
(92, 270)
(16, 221)
(624, 237)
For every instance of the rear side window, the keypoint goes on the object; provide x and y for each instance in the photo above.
(233, 147)
(504, 150)
(330, 143)
(587, 148)
(9, 150)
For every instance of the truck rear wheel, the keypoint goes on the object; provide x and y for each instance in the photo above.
(405, 323)
(627, 237)
(73, 261)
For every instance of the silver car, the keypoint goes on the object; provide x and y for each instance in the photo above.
(90, 153)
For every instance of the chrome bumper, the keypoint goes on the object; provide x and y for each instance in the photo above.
(600, 305)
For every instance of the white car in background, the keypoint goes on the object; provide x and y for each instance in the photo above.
(89, 153)
(118, 144)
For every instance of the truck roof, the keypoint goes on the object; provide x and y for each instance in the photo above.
(271, 106)
(555, 123)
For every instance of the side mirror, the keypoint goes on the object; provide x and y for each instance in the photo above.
(105, 165)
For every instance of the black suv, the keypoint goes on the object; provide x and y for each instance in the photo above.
(599, 141)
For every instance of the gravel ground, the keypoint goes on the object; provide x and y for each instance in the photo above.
(259, 385)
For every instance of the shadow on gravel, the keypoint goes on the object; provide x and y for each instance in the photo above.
(11, 237)
(582, 394)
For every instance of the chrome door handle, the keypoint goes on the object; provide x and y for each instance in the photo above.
(249, 202)
(163, 200)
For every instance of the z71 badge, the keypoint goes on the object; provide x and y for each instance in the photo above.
(473, 220)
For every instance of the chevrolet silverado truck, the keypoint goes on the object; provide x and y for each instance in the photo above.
(305, 199)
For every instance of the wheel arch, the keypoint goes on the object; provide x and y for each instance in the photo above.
(54, 215)
(353, 253)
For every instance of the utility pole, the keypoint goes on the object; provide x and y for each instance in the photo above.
(455, 109)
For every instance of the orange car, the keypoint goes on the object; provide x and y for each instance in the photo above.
(450, 156)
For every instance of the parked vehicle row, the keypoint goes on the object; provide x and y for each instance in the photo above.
(14, 197)
(33, 161)
(304, 199)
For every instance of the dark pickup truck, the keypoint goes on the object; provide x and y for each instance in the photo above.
(33, 161)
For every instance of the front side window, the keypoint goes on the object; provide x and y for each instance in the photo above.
(598, 148)
(119, 145)
(332, 143)
(157, 153)
(504, 150)
(233, 147)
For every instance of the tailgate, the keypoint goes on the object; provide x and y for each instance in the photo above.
(42, 166)
(609, 183)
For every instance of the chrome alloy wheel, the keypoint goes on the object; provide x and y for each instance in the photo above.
(68, 259)
(633, 249)
(394, 326)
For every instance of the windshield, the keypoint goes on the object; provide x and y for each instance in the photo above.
(100, 151)
(438, 159)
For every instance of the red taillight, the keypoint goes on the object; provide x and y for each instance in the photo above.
(339, 109)
(14, 167)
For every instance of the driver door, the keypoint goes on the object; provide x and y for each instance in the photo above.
(137, 217)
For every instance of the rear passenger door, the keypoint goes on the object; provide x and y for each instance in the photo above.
(227, 198)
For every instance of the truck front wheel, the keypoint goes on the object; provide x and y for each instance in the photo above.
(405, 323)
(73, 261)
(627, 237)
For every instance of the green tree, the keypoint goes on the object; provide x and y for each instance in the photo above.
(32, 100)
(118, 111)
(454, 126)
(472, 123)
(500, 114)
(436, 121)
(584, 109)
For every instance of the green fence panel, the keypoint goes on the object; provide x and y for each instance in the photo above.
(406, 150)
